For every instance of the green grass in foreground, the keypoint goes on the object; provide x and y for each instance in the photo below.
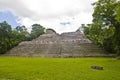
(13, 68)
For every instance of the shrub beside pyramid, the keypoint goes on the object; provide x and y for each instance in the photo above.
(51, 44)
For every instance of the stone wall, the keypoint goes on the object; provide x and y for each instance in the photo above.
(51, 44)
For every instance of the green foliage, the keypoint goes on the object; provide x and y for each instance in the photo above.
(58, 69)
(118, 13)
(37, 30)
(17, 37)
(97, 34)
(104, 12)
(108, 45)
(5, 34)
(23, 34)
(105, 29)
(86, 30)
(10, 38)
(117, 31)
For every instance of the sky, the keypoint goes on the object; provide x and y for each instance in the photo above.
(10, 18)
(60, 15)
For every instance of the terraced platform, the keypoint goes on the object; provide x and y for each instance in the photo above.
(51, 44)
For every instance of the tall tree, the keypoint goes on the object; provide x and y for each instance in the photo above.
(23, 33)
(105, 16)
(37, 30)
(5, 33)
(10, 38)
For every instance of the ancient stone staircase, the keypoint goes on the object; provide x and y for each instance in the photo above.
(72, 44)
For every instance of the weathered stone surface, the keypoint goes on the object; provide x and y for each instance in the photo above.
(97, 67)
(51, 44)
(118, 58)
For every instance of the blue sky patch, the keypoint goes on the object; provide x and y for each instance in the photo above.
(65, 23)
(9, 17)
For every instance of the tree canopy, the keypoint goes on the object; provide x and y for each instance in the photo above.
(10, 38)
(37, 30)
(105, 29)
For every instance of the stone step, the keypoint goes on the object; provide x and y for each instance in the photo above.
(73, 44)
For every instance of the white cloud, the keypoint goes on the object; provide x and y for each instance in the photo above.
(50, 13)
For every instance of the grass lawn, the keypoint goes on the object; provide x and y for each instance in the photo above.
(14, 68)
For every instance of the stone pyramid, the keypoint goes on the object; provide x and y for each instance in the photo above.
(51, 44)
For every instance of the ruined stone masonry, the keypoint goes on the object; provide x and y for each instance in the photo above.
(51, 44)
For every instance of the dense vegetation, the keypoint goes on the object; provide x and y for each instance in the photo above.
(11, 37)
(105, 29)
(58, 69)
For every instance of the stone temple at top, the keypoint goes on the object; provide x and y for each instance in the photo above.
(51, 44)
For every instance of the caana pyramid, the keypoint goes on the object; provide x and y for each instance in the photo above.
(51, 44)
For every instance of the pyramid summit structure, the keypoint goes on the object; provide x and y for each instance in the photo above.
(51, 44)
